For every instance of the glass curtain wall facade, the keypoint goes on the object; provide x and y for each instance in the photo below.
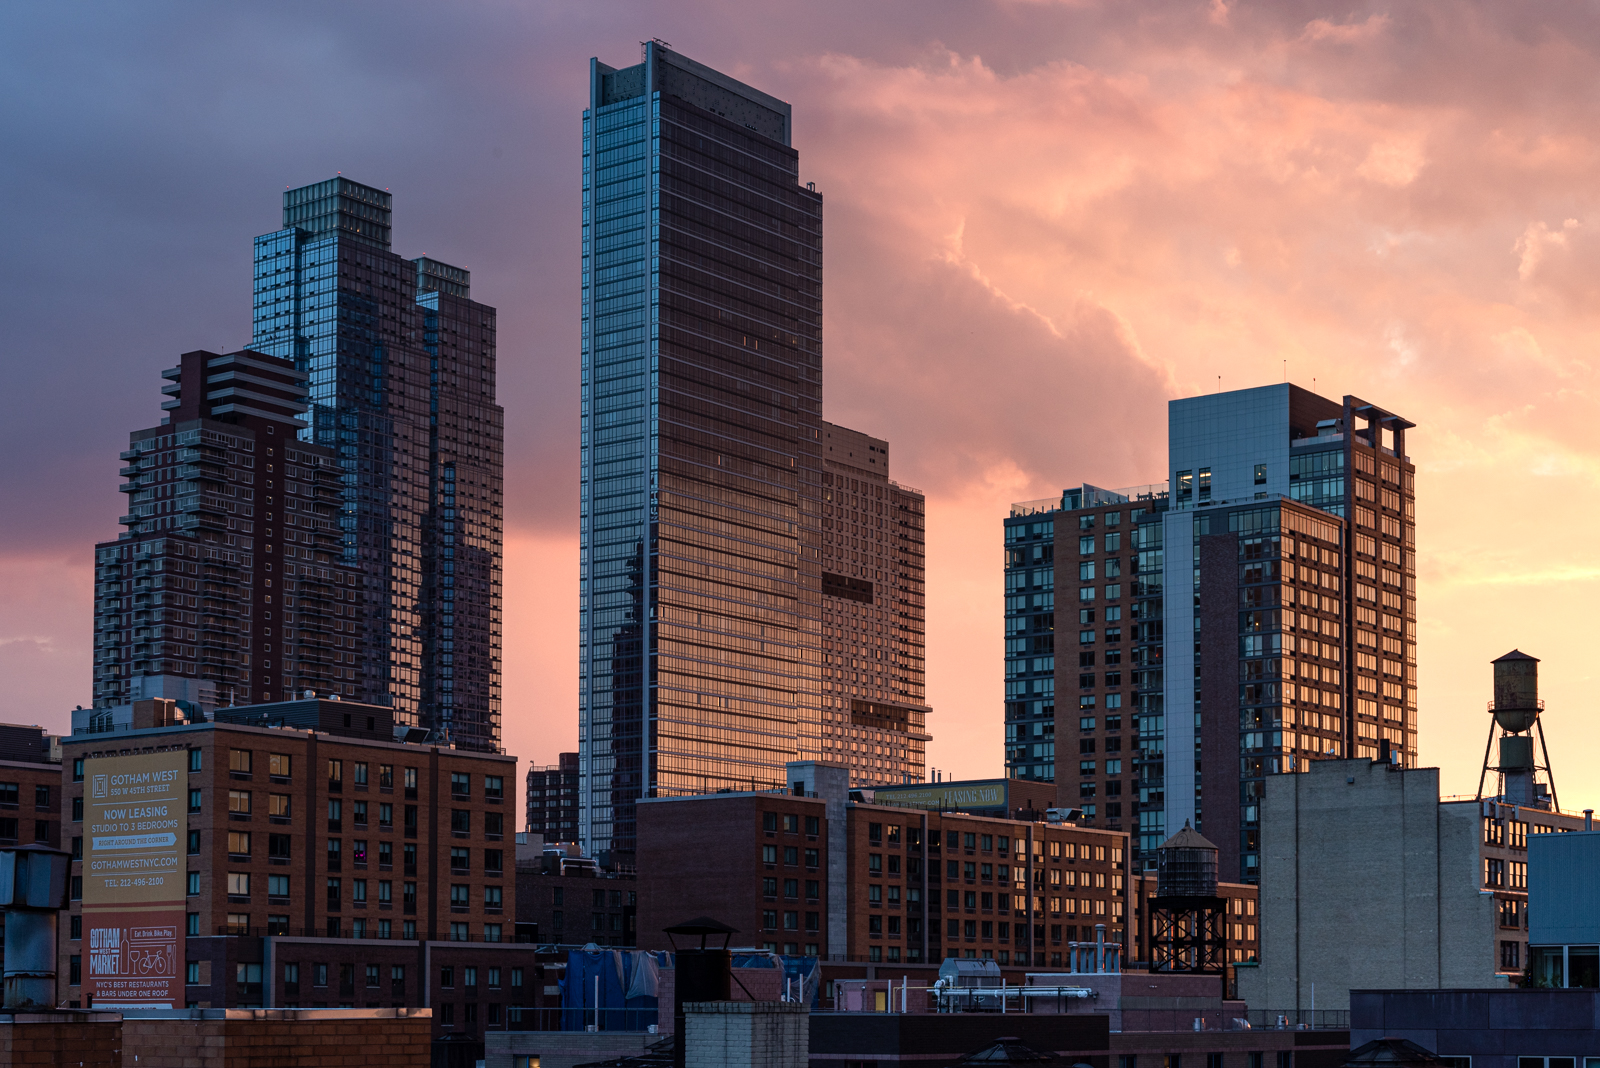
(401, 365)
(701, 471)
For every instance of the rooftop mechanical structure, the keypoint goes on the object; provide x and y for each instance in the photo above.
(1523, 770)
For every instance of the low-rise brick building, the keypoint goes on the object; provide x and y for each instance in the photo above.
(812, 872)
(330, 866)
(567, 899)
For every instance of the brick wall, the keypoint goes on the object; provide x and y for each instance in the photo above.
(89, 1039)
(256, 1038)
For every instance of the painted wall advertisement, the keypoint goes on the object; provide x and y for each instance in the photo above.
(135, 818)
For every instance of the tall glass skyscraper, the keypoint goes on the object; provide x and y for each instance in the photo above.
(401, 365)
(700, 612)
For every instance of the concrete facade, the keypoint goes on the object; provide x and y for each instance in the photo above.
(746, 1034)
(1368, 881)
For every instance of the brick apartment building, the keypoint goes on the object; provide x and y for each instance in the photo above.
(565, 899)
(551, 796)
(331, 866)
(30, 787)
(811, 872)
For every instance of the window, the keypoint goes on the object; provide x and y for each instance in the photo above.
(813, 825)
(361, 774)
(1494, 872)
(77, 804)
(278, 765)
(460, 784)
(238, 802)
(411, 782)
(278, 806)
(460, 896)
(277, 886)
(238, 843)
(386, 776)
(494, 786)
(238, 884)
(239, 761)
(460, 821)
(194, 883)
(278, 846)
(493, 824)
(335, 774)
(194, 845)
(385, 815)
(77, 765)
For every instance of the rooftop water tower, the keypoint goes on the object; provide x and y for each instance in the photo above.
(1187, 927)
(1515, 710)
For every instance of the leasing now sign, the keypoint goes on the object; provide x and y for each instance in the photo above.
(134, 816)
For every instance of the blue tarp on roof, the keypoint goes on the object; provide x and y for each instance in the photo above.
(609, 975)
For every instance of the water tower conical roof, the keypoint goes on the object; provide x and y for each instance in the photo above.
(1188, 838)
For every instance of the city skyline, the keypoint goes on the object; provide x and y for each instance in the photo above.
(1360, 258)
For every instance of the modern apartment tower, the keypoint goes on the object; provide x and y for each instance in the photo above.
(229, 584)
(701, 463)
(874, 629)
(401, 367)
(1279, 574)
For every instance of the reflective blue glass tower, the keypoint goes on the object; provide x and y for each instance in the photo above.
(402, 366)
(701, 458)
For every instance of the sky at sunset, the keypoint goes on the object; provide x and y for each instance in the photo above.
(1042, 222)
